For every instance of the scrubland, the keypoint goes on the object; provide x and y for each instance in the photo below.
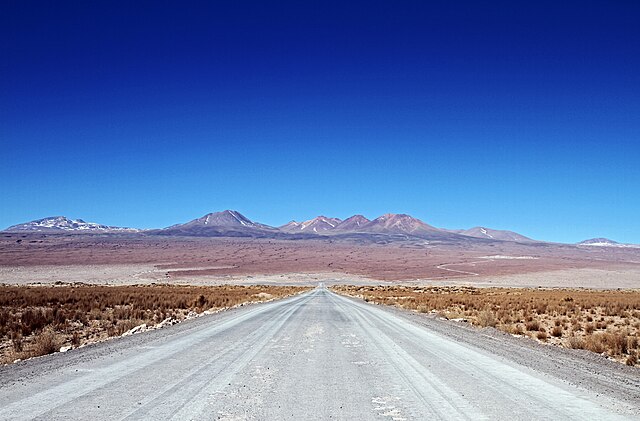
(605, 322)
(39, 320)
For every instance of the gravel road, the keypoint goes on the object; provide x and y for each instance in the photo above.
(319, 356)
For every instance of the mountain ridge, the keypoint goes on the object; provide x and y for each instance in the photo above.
(605, 242)
(494, 234)
(232, 223)
(316, 225)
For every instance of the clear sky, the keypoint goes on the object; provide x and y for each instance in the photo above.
(512, 115)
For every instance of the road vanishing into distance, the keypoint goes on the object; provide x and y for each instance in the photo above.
(318, 355)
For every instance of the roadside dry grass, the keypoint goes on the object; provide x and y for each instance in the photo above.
(606, 322)
(39, 320)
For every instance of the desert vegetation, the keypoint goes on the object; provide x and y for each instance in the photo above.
(39, 320)
(605, 322)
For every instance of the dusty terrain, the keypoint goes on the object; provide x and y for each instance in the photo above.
(347, 359)
(113, 259)
(343, 359)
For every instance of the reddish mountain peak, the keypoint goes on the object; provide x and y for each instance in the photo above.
(396, 216)
(357, 218)
(399, 223)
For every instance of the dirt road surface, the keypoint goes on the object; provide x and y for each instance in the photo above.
(319, 356)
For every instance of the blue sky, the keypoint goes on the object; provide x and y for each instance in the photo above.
(513, 116)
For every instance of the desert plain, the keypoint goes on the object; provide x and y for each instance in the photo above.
(134, 259)
(381, 328)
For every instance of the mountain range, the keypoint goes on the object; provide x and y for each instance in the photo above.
(388, 224)
(231, 223)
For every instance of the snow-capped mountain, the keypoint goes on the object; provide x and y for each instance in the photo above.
(389, 224)
(62, 224)
(353, 223)
(316, 225)
(605, 242)
(491, 234)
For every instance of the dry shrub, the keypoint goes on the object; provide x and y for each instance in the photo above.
(45, 343)
(533, 325)
(75, 339)
(595, 343)
(16, 341)
(486, 318)
(576, 342)
(615, 344)
(516, 330)
(556, 331)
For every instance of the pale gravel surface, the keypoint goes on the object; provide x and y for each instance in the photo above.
(610, 278)
(292, 278)
(125, 274)
(91, 274)
(319, 356)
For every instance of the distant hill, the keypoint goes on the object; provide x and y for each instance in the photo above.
(398, 224)
(605, 242)
(598, 242)
(58, 224)
(228, 223)
(501, 235)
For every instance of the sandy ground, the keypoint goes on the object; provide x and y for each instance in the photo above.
(92, 274)
(212, 261)
(146, 274)
(621, 277)
(626, 278)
